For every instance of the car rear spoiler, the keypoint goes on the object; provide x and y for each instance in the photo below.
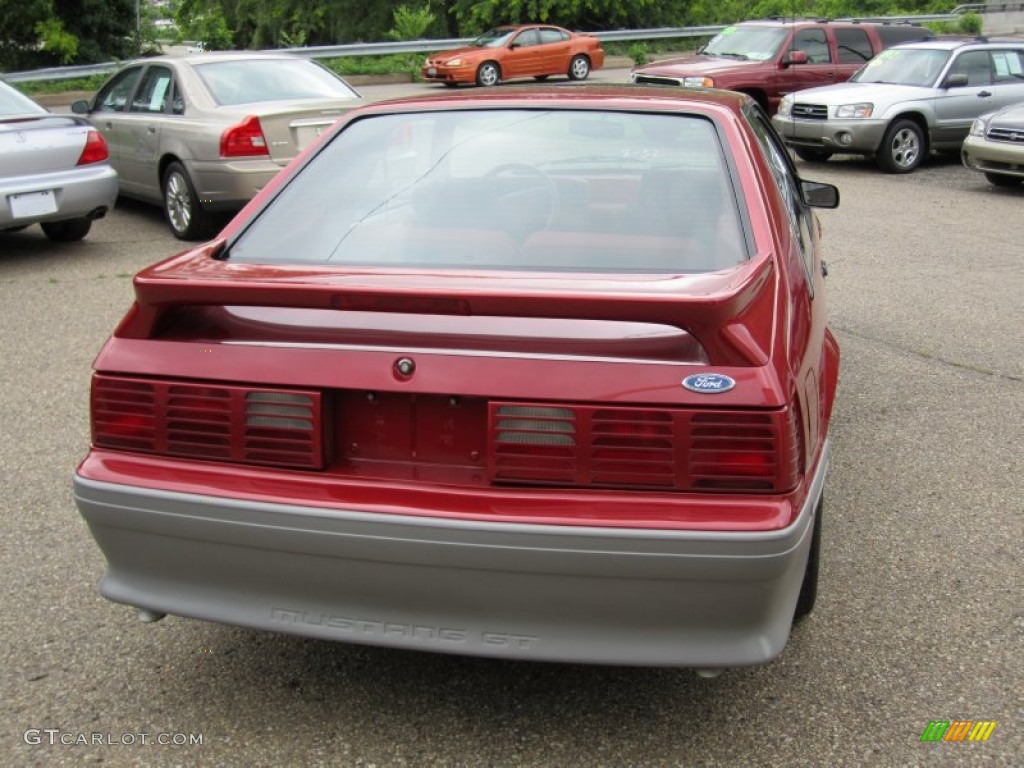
(729, 312)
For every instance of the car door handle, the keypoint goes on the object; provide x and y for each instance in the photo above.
(984, 94)
(824, 268)
(151, 129)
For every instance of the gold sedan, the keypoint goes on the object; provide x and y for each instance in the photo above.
(202, 134)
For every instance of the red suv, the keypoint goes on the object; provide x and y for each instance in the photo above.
(768, 59)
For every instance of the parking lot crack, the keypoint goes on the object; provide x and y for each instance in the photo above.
(930, 356)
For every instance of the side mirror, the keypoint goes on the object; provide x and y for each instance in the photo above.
(955, 81)
(819, 195)
(513, 46)
(794, 57)
(80, 107)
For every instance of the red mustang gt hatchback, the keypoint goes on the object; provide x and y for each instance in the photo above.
(541, 373)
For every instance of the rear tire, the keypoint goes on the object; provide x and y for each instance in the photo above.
(579, 67)
(488, 74)
(809, 586)
(903, 147)
(185, 216)
(66, 231)
(1001, 180)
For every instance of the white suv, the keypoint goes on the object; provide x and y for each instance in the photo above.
(906, 101)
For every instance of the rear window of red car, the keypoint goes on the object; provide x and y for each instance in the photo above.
(503, 189)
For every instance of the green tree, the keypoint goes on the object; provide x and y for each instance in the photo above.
(56, 40)
(205, 21)
(19, 37)
(105, 28)
(477, 15)
(35, 33)
(698, 12)
(411, 23)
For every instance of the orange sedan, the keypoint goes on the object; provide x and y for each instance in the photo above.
(504, 53)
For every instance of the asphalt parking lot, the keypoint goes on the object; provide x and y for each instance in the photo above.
(920, 615)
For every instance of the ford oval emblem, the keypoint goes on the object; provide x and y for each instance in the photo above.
(709, 383)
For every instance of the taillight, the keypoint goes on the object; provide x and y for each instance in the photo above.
(632, 447)
(253, 425)
(124, 414)
(95, 149)
(671, 449)
(533, 442)
(244, 140)
(730, 451)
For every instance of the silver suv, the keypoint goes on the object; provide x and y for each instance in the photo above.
(906, 101)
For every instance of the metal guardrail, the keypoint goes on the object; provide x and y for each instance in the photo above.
(60, 73)
(426, 46)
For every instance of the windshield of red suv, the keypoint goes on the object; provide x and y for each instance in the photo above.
(509, 189)
(747, 42)
(903, 66)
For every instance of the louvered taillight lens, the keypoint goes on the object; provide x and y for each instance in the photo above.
(280, 426)
(643, 448)
(124, 414)
(252, 425)
(738, 451)
(632, 447)
(535, 442)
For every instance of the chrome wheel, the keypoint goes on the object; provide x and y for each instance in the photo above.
(488, 74)
(579, 68)
(187, 219)
(178, 202)
(905, 148)
(902, 148)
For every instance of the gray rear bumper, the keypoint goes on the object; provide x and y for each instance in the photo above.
(78, 192)
(554, 593)
(224, 185)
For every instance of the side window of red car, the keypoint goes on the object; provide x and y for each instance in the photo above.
(549, 35)
(853, 45)
(527, 38)
(788, 182)
(814, 43)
